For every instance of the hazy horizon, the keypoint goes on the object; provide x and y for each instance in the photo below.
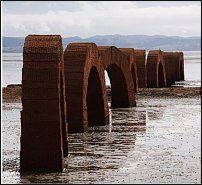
(113, 35)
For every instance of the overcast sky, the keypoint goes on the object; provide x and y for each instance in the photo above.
(85, 19)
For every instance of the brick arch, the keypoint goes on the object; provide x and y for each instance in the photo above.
(174, 63)
(181, 60)
(44, 141)
(156, 73)
(140, 58)
(130, 53)
(82, 68)
(117, 65)
(160, 75)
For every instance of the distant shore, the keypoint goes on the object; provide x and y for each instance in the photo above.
(12, 93)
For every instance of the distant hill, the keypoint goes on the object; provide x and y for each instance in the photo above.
(168, 43)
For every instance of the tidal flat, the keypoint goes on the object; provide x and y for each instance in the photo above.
(159, 141)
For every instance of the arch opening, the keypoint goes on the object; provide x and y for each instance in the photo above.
(119, 91)
(95, 102)
(160, 75)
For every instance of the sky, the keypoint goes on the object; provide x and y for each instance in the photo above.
(90, 18)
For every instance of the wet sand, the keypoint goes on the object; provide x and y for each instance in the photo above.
(159, 141)
(12, 93)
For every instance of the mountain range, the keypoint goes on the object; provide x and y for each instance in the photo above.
(165, 43)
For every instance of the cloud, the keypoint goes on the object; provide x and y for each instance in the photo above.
(104, 18)
(27, 3)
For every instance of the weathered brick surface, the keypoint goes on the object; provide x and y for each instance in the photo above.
(174, 65)
(85, 84)
(51, 81)
(130, 53)
(156, 74)
(140, 57)
(44, 141)
(117, 64)
(181, 59)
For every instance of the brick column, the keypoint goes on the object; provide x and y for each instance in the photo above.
(43, 118)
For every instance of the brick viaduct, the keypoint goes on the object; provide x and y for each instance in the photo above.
(65, 92)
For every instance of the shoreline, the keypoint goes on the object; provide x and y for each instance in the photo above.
(12, 93)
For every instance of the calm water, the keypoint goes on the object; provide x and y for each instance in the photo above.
(159, 141)
(12, 68)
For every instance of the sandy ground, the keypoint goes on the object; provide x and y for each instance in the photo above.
(12, 93)
(159, 141)
(178, 92)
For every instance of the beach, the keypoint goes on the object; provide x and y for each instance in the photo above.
(12, 93)
(101, 92)
(158, 141)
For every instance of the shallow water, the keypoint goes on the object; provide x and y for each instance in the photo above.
(159, 141)
(13, 63)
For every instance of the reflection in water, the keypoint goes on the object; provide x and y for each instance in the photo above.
(99, 150)
(156, 142)
(155, 113)
(105, 147)
(155, 109)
